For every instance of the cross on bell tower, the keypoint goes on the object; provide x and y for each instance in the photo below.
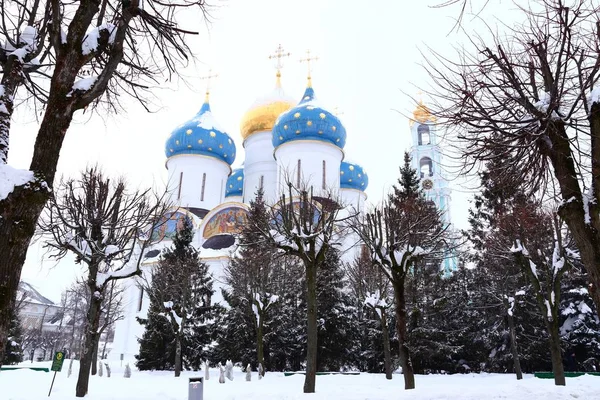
(307, 60)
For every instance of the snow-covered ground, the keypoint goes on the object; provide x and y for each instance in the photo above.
(30, 385)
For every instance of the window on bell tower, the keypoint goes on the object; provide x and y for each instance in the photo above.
(425, 167)
(424, 134)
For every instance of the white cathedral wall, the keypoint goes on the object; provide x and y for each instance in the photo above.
(353, 201)
(310, 155)
(128, 330)
(202, 180)
(259, 162)
(234, 199)
(216, 267)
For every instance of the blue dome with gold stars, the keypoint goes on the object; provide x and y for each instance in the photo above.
(353, 176)
(201, 135)
(309, 121)
(235, 183)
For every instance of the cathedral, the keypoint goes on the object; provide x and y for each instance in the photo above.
(284, 141)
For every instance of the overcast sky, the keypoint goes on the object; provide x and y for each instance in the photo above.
(369, 54)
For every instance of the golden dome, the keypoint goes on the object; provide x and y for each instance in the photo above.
(264, 112)
(422, 114)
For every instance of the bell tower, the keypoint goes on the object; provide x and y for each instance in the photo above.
(426, 159)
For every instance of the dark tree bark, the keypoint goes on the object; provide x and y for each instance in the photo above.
(513, 341)
(387, 354)
(90, 340)
(260, 351)
(401, 320)
(311, 329)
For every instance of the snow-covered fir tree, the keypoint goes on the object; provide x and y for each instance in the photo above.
(180, 311)
(13, 352)
(252, 279)
(338, 335)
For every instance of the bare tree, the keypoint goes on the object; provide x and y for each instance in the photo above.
(106, 227)
(405, 229)
(67, 57)
(544, 267)
(372, 287)
(530, 95)
(305, 226)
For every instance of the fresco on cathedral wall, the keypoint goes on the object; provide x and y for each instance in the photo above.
(169, 225)
(229, 220)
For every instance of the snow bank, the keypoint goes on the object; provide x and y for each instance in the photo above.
(11, 177)
(161, 385)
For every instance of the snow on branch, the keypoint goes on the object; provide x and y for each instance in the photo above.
(91, 40)
(11, 177)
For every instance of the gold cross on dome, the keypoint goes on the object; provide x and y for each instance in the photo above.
(307, 60)
(208, 77)
(279, 54)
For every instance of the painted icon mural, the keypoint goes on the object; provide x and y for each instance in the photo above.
(228, 220)
(299, 208)
(170, 223)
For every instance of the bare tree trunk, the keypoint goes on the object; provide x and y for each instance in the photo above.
(311, 329)
(556, 353)
(11, 79)
(20, 210)
(586, 236)
(386, 346)
(259, 344)
(178, 355)
(513, 347)
(95, 358)
(91, 340)
(405, 362)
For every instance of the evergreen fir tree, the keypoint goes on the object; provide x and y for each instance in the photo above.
(285, 341)
(580, 327)
(180, 307)
(338, 339)
(13, 353)
(251, 278)
(157, 345)
(201, 330)
(408, 184)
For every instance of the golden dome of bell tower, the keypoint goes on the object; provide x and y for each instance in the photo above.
(422, 114)
(261, 116)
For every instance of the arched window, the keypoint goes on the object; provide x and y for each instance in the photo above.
(426, 167)
(424, 134)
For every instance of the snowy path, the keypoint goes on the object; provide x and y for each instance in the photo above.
(30, 385)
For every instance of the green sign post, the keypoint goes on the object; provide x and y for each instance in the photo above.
(57, 363)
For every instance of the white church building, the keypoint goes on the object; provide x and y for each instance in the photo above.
(284, 140)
